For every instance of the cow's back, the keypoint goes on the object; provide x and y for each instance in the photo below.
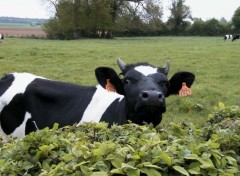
(29, 103)
(51, 102)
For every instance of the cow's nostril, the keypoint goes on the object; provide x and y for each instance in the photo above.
(145, 95)
(160, 96)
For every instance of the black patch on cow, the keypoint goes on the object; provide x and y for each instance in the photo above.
(147, 114)
(13, 114)
(5, 83)
(52, 102)
(115, 113)
(30, 126)
(235, 37)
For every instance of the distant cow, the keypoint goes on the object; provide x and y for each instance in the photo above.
(235, 37)
(228, 37)
(1, 38)
(29, 102)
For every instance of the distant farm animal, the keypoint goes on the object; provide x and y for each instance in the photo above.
(29, 102)
(235, 37)
(1, 38)
(228, 37)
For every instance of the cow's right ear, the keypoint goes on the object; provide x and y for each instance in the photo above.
(177, 80)
(105, 74)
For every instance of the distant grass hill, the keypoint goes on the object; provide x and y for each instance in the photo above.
(16, 20)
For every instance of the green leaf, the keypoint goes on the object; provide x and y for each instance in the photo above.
(117, 171)
(133, 172)
(127, 166)
(27, 165)
(67, 157)
(55, 126)
(46, 147)
(85, 170)
(99, 174)
(149, 165)
(194, 168)
(181, 170)
(100, 165)
(231, 160)
(166, 159)
(214, 145)
(221, 105)
(193, 157)
(117, 162)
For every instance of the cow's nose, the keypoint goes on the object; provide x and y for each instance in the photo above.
(151, 96)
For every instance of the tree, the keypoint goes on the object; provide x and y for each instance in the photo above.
(76, 18)
(179, 13)
(59, 26)
(100, 19)
(198, 27)
(236, 19)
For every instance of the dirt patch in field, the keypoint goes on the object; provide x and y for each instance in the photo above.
(22, 32)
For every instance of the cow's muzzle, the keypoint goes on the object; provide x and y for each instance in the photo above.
(151, 98)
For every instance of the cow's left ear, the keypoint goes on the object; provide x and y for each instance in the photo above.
(177, 80)
(105, 74)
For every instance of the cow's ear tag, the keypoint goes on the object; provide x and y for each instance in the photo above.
(109, 87)
(185, 91)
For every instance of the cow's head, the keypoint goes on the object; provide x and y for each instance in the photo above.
(145, 88)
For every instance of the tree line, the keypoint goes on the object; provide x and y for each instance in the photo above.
(74, 19)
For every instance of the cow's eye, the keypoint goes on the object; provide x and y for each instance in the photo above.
(126, 81)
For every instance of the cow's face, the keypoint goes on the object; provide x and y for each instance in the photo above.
(145, 88)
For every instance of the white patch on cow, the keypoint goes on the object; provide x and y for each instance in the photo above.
(19, 85)
(1, 38)
(146, 70)
(19, 132)
(228, 37)
(98, 105)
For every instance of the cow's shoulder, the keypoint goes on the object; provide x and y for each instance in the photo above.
(15, 83)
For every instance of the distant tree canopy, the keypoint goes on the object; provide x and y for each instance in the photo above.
(100, 18)
(236, 20)
(75, 19)
(179, 13)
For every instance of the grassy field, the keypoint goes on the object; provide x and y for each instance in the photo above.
(215, 63)
(21, 30)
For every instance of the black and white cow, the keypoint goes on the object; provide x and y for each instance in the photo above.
(1, 38)
(235, 37)
(228, 37)
(29, 102)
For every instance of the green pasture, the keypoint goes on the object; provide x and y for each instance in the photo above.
(215, 63)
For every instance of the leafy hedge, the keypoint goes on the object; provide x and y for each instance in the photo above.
(93, 149)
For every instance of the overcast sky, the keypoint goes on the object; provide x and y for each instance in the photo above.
(205, 9)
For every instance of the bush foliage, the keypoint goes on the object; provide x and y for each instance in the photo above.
(94, 149)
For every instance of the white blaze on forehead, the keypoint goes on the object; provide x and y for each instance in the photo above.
(146, 70)
(101, 100)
